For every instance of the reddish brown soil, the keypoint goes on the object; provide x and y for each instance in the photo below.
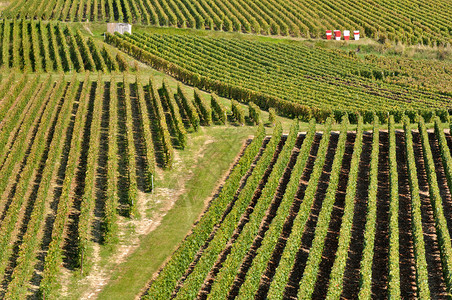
(351, 275)
(332, 238)
(380, 268)
(274, 260)
(435, 271)
(407, 261)
(308, 235)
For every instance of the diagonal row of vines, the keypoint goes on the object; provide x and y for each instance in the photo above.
(325, 215)
(295, 79)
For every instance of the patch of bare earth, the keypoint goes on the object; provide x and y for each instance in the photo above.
(3, 5)
(131, 230)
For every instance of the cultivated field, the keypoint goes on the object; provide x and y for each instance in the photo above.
(409, 22)
(225, 149)
(74, 155)
(296, 79)
(324, 215)
(31, 46)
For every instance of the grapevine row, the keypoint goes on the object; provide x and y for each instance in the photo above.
(419, 245)
(180, 260)
(265, 204)
(50, 47)
(281, 276)
(328, 82)
(397, 21)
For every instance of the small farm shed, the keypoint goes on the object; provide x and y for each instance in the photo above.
(119, 27)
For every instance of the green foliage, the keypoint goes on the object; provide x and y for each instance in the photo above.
(110, 61)
(282, 273)
(175, 115)
(146, 126)
(337, 272)
(84, 51)
(31, 46)
(394, 271)
(365, 290)
(269, 17)
(89, 196)
(293, 78)
(132, 190)
(122, 63)
(238, 112)
(189, 107)
(240, 247)
(271, 116)
(53, 260)
(263, 255)
(35, 147)
(163, 133)
(110, 217)
(254, 113)
(218, 109)
(96, 55)
(180, 260)
(17, 149)
(205, 111)
(17, 287)
(419, 245)
(308, 280)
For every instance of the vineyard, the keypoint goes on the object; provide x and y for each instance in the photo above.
(75, 154)
(409, 22)
(295, 79)
(432, 75)
(324, 215)
(31, 46)
(225, 149)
